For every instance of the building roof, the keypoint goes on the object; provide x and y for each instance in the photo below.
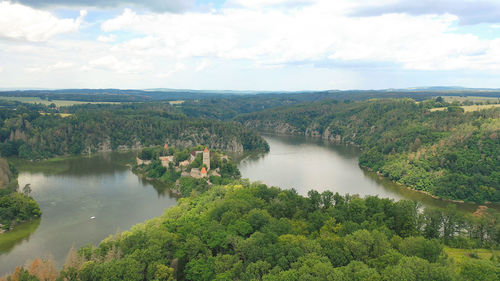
(206, 149)
(203, 170)
(165, 146)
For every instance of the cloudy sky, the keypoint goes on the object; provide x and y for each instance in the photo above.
(249, 44)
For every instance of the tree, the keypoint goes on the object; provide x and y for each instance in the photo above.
(422, 248)
(480, 270)
(200, 269)
(164, 273)
(27, 189)
(433, 222)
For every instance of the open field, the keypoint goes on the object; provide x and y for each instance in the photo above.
(47, 102)
(60, 114)
(469, 98)
(469, 108)
(176, 102)
(459, 255)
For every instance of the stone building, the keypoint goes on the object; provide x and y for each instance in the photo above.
(142, 162)
(165, 160)
(206, 158)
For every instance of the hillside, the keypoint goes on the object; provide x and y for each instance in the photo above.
(38, 131)
(449, 153)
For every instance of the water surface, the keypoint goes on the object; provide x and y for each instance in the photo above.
(310, 163)
(101, 187)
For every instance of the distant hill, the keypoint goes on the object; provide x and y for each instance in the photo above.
(165, 94)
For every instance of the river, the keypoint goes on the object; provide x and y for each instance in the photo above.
(101, 187)
(72, 191)
(305, 163)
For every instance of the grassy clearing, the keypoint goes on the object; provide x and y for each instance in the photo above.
(46, 102)
(469, 98)
(60, 114)
(469, 108)
(460, 255)
(176, 102)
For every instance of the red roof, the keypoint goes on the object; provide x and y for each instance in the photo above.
(206, 149)
(165, 146)
(203, 170)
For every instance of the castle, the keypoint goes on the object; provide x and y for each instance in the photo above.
(197, 173)
(194, 172)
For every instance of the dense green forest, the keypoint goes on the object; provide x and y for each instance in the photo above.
(37, 131)
(450, 153)
(226, 108)
(15, 207)
(244, 231)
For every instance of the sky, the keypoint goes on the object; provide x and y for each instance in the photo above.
(274, 45)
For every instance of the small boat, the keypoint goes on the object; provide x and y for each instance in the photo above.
(92, 217)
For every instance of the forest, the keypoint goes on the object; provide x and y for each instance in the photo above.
(449, 153)
(40, 132)
(229, 107)
(248, 231)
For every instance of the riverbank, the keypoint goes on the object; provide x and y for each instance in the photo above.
(328, 141)
(306, 163)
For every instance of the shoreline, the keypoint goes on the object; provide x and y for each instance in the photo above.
(379, 174)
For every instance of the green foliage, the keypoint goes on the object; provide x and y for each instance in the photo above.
(473, 269)
(15, 207)
(448, 153)
(26, 133)
(241, 232)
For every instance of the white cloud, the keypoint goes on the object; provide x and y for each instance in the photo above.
(176, 68)
(25, 23)
(262, 44)
(121, 66)
(175, 6)
(202, 65)
(1, 69)
(467, 11)
(107, 39)
(50, 68)
(320, 31)
(268, 3)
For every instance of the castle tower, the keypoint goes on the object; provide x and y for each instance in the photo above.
(206, 158)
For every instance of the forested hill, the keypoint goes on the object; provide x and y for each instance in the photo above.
(449, 153)
(245, 231)
(36, 131)
(228, 107)
(225, 105)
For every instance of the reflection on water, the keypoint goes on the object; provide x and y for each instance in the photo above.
(308, 163)
(23, 232)
(100, 186)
